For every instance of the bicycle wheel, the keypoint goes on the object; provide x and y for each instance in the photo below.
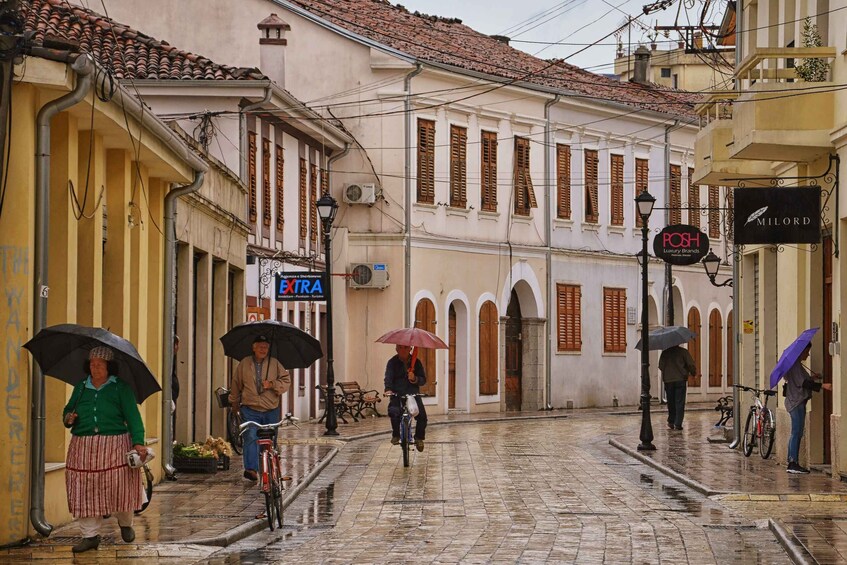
(768, 432)
(749, 434)
(404, 439)
(235, 438)
(278, 502)
(270, 508)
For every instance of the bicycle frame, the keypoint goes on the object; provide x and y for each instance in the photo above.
(760, 427)
(270, 469)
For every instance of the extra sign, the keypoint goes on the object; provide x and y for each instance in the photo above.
(681, 244)
(300, 286)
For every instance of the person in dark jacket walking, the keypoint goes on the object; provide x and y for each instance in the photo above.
(676, 365)
(400, 379)
(799, 386)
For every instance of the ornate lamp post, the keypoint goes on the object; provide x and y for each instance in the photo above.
(712, 263)
(644, 203)
(327, 207)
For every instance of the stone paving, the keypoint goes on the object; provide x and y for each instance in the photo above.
(519, 490)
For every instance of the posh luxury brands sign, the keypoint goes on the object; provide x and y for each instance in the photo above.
(300, 286)
(680, 244)
(777, 215)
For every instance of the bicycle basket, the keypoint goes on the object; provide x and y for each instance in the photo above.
(222, 394)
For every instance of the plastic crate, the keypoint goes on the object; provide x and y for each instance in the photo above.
(223, 463)
(196, 464)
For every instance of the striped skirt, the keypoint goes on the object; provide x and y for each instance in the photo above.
(98, 479)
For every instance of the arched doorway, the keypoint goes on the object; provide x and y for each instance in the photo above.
(425, 319)
(514, 356)
(715, 349)
(695, 346)
(451, 357)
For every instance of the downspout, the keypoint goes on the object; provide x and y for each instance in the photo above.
(169, 307)
(407, 275)
(83, 66)
(668, 269)
(548, 220)
(243, 125)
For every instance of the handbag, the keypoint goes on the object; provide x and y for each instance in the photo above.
(412, 406)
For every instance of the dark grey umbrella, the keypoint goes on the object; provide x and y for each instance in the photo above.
(290, 345)
(668, 336)
(61, 351)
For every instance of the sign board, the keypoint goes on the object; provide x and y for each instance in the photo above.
(748, 326)
(257, 313)
(681, 244)
(300, 286)
(777, 215)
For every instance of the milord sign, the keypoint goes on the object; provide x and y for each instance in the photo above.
(777, 215)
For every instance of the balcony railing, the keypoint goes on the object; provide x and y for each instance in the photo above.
(777, 64)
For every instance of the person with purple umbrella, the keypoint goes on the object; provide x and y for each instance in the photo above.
(799, 386)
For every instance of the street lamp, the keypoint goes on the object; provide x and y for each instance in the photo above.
(712, 263)
(644, 202)
(327, 207)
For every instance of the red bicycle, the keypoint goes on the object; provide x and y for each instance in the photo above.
(270, 469)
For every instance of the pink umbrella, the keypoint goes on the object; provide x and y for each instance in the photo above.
(413, 337)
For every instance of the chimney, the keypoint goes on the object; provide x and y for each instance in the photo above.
(501, 38)
(642, 65)
(272, 44)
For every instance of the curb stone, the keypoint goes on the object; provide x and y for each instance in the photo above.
(792, 546)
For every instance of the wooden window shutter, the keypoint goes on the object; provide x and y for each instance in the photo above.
(313, 200)
(488, 186)
(488, 348)
(303, 201)
(280, 190)
(592, 214)
(616, 196)
(641, 181)
(693, 200)
(676, 196)
(715, 347)
(730, 344)
(266, 182)
(524, 192)
(714, 212)
(569, 317)
(426, 161)
(251, 176)
(458, 167)
(614, 320)
(425, 319)
(694, 345)
(563, 181)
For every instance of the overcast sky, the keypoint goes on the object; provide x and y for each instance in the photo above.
(571, 23)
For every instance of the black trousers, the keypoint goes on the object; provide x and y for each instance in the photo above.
(395, 412)
(676, 402)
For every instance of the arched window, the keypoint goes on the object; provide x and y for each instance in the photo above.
(694, 346)
(488, 348)
(730, 342)
(715, 349)
(425, 319)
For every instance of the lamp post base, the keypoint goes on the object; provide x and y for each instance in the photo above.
(646, 447)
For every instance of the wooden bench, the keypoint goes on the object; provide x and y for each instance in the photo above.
(359, 400)
(341, 405)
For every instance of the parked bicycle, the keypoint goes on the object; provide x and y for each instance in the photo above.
(270, 469)
(233, 420)
(760, 427)
(406, 425)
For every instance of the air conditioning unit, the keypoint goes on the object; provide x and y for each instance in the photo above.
(368, 275)
(360, 193)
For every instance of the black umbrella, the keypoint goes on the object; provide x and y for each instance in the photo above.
(61, 350)
(668, 336)
(290, 345)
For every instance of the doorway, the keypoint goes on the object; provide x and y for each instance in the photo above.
(451, 358)
(514, 356)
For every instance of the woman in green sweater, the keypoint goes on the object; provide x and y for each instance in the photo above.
(105, 424)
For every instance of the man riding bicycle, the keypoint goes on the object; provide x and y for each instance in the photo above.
(400, 380)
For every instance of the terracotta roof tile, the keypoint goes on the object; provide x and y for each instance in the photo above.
(129, 53)
(449, 42)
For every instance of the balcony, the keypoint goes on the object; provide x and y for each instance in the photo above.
(778, 116)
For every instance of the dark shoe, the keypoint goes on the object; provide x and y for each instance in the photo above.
(678, 428)
(251, 475)
(419, 444)
(86, 544)
(670, 426)
(795, 469)
(127, 534)
(395, 440)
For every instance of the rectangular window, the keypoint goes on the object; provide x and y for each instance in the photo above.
(251, 176)
(313, 200)
(641, 182)
(666, 72)
(458, 167)
(616, 190)
(524, 193)
(563, 181)
(426, 161)
(304, 203)
(614, 320)
(489, 171)
(569, 317)
(280, 190)
(714, 212)
(693, 200)
(592, 212)
(266, 182)
(676, 195)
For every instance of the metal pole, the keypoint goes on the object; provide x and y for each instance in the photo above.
(646, 424)
(736, 351)
(331, 423)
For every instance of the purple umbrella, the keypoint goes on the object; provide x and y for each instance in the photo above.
(791, 355)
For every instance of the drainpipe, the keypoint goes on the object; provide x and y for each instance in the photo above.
(169, 307)
(407, 276)
(243, 120)
(668, 269)
(548, 220)
(83, 66)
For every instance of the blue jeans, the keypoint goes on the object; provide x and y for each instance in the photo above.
(251, 448)
(798, 422)
(675, 392)
(395, 414)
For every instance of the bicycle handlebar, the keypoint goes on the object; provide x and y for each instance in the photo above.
(766, 392)
(257, 425)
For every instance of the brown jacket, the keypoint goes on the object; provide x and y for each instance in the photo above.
(243, 391)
